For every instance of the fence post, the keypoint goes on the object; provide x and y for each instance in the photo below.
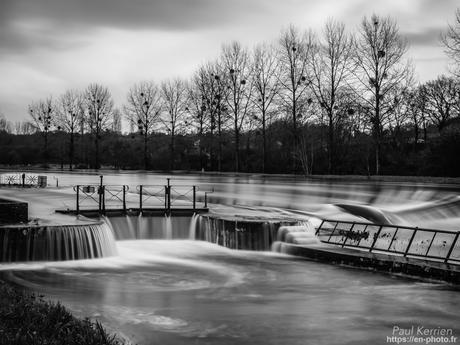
(376, 236)
(140, 198)
(124, 199)
(410, 242)
(78, 199)
(205, 199)
(452, 247)
(194, 198)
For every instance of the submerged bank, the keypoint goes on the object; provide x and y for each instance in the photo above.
(26, 318)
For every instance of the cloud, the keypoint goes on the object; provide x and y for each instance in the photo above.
(425, 37)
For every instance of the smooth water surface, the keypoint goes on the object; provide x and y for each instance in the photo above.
(191, 292)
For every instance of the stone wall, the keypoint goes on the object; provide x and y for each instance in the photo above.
(12, 212)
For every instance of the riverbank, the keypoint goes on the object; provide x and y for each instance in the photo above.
(326, 178)
(27, 319)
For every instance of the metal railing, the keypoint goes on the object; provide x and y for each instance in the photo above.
(23, 180)
(401, 240)
(119, 197)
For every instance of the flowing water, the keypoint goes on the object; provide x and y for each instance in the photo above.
(163, 288)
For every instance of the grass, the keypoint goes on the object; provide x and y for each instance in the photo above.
(27, 319)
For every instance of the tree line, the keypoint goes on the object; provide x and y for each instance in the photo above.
(331, 102)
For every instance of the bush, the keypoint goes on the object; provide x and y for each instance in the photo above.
(27, 319)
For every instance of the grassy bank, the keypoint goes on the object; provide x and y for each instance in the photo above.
(27, 319)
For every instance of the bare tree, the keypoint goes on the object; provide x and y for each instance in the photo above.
(197, 90)
(24, 128)
(99, 110)
(237, 69)
(174, 95)
(294, 77)
(208, 103)
(379, 52)
(143, 110)
(5, 125)
(441, 98)
(451, 41)
(43, 113)
(69, 114)
(116, 122)
(266, 88)
(331, 67)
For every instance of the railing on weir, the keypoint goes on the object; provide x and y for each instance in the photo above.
(142, 197)
(22, 180)
(440, 245)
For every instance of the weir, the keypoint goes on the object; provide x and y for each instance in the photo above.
(244, 234)
(56, 242)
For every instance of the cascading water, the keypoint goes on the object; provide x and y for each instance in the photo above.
(150, 227)
(242, 234)
(56, 242)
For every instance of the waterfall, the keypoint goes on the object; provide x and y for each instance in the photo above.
(238, 233)
(192, 227)
(150, 227)
(56, 242)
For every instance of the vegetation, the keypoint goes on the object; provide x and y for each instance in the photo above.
(336, 102)
(26, 319)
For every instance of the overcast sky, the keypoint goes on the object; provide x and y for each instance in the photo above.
(49, 46)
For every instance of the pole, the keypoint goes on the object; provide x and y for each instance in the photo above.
(140, 198)
(194, 197)
(78, 199)
(124, 199)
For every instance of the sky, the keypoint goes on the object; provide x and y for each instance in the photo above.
(50, 46)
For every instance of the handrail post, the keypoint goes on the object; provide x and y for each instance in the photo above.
(103, 199)
(392, 240)
(410, 242)
(194, 198)
(169, 198)
(205, 199)
(99, 194)
(346, 236)
(429, 247)
(332, 233)
(364, 231)
(166, 198)
(452, 247)
(319, 227)
(376, 237)
(140, 198)
(78, 199)
(124, 199)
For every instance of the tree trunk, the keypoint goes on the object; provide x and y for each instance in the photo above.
(264, 144)
(330, 153)
(71, 150)
(171, 161)
(146, 163)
